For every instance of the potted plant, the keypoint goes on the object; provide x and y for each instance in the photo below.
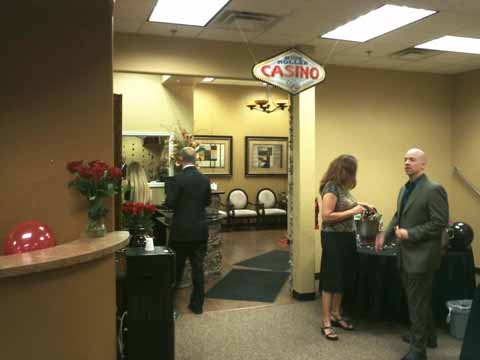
(137, 218)
(96, 181)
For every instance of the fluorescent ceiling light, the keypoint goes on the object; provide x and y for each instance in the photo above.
(207, 80)
(186, 12)
(453, 43)
(377, 22)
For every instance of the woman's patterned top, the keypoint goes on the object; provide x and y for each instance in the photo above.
(345, 201)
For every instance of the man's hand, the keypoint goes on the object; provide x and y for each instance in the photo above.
(401, 234)
(379, 241)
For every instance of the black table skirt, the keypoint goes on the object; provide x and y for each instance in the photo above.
(378, 293)
(471, 345)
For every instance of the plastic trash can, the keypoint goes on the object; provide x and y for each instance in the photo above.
(458, 313)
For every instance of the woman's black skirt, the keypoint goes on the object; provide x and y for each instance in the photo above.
(337, 271)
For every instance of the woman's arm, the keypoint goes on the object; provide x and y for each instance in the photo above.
(329, 201)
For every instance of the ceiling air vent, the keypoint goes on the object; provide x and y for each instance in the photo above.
(247, 21)
(414, 54)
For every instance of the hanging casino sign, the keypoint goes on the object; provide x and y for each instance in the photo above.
(292, 71)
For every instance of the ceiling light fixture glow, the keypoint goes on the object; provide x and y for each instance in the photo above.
(377, 22)
(208, 80)
(453, 43)
(186, 12)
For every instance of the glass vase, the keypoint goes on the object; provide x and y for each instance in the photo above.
(96, 228)
(137, 236)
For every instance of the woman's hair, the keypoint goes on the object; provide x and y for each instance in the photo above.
(342, 171)
(138, 183)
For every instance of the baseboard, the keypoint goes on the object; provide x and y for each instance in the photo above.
(303, 296)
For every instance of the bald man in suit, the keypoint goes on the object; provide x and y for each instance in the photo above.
(188, 196)
(421, 216)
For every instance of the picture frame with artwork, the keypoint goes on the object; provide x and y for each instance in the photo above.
(215, 155)
(266, 156)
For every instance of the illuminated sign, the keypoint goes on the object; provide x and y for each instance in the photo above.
(292, 71)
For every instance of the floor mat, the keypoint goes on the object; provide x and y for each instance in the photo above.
(275, 260)
(249, 285)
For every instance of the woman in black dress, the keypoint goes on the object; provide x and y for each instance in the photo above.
(338, 240)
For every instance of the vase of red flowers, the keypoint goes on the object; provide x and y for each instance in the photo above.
(137, 218)
(96, 181)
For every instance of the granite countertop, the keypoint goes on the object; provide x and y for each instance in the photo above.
(75, 252)
(166, 216)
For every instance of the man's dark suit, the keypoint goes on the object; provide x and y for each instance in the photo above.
(188, 196)
(424, 216)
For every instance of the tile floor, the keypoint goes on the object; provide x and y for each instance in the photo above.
(238, 246)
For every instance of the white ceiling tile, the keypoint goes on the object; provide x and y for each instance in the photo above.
(227, 35)
(133, 9)
(127, 25)
(341, 10)
(448, 57)
(324, 48)
(291, 40)
(451, 68)
(391, 64)
(301, 24)
(303, 21)
(271, 7)
(469, 31)
(472, 60)
(345, 60)
(163, 29)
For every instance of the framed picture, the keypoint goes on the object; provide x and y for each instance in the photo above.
(265, 155)
(215, 154)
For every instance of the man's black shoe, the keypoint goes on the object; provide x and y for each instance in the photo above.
(431, 343)
(195, 309)
(411, 355)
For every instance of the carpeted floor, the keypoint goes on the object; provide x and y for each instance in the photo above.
(290, 332)
(275, 260)
(249, 285)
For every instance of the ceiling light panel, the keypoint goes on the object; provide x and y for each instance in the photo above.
(453, 43)
(377, 22)
(186, 12)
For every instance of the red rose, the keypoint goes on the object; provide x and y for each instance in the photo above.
(114, 173)
(84, 172)
(98, 163)
(96, 172)
(74, 166)
(150, 208)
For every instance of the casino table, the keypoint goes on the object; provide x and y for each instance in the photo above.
(378, 293)
(471, 345)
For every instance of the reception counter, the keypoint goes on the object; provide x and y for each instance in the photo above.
(213, 258)
(59, 303)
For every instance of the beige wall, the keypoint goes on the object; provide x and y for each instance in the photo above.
(148, 105)
(168, 55)
(385, 112)
(211, 110)
(466, 147)
(221, 110)
(378, 115)
(56, 107)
